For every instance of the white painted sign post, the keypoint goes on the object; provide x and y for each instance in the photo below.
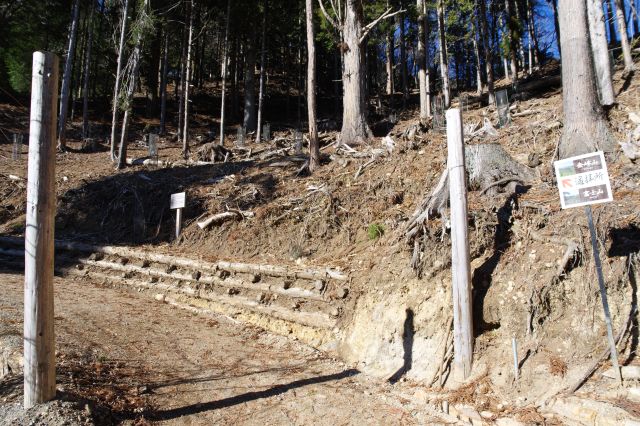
(460, 263)
(584, 180)
(39, 337)
(178, 201)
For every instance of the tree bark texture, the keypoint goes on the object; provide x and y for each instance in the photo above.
(444, 60)
(598, 36)
(263, 70)
(624, 38)
(355, 130)
(85, 83)
(249, 120)
(421, 58)
(116, 86)
(585, 128)
(488, 59)
(187, 84)
(314, 145)
(66, 79)
(224, 58)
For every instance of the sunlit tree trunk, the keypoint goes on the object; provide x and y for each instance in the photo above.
(355, 129)
(116, 88)
(422, 62)
(444, 61)
(187, 84)
(624, 38)
(488, 59)
(600, 51)
(263, 70)
(314, 145)
(66, 79)
(585, 128)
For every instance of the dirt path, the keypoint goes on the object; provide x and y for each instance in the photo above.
(167, 364)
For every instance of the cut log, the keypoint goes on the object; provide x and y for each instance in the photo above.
(221, 217)
(249, 268)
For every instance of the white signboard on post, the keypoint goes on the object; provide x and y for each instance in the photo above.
(583, 180)
(178, 200)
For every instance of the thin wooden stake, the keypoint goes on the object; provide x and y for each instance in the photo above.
(460, 265)
(39, 338)
(178, 222)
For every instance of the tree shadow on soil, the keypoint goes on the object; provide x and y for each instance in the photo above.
(245, 397)
(133, 207)
(482, 275)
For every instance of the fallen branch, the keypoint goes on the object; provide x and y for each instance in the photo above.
(501, 182)
(221, 217)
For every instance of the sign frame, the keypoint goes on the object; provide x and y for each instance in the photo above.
(178, 200)
(593, 180)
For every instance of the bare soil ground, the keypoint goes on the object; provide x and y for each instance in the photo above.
(123, 358)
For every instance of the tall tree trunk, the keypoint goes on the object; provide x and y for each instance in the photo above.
(187, 84)
(249, 120)
(225, 50)
(116, 86)
(488, 59)
(403, 59)
(314, 145)
(600, 51)
(534, 60)
(427, 58)
(585, 128)
(183, 57)
(85, 84)
(422, 62)
(163, 82)
(476, 51)
(612, 27)
(66, 79)
(355, 129)
(152, 72)
(444, 61)
(629, 67)
(389, 61)
(513, 55)
(135, 70)
(263, 66)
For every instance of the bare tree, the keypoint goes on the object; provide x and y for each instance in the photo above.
(66, 79)
(225, 54)
(629, 67)
(389, 43)
(488, 59)
(350, 24)
(116, 88)
(421, 58)
(263, 60)
(142, 24)
(249, 120)
(314, 146)
(444, 60)
(585, 128)
(85, 84)
(598, 36)
(163, 82)
(187, 83)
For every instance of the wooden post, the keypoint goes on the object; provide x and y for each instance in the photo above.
(39, 339)
(460, 266)
(178, 222)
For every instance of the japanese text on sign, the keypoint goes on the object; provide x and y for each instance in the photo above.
(583, 180)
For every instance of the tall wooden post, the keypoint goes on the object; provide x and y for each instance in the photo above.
(39, 338)
(460, 266)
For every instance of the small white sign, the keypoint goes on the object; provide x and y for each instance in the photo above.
(178, 200)
(583, 180)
